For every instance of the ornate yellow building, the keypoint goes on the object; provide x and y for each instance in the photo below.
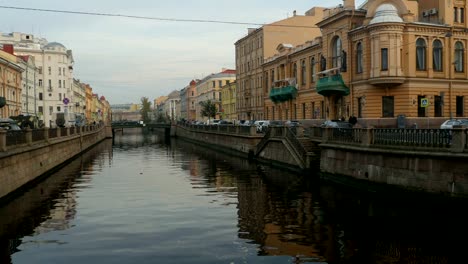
(382, 60)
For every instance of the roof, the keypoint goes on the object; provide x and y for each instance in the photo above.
(54, 44)
(386, 13)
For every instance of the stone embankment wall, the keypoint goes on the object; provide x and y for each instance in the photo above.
(241, 141)
(24, 163)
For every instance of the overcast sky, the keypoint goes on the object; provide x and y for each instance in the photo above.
(126, 58)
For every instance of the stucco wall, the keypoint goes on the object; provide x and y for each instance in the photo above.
(22, 165)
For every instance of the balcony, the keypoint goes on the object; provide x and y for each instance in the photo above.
(49, 89)
(283, 90)
(332, 85)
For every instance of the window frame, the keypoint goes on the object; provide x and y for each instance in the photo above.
(437, 56)
(421, 49)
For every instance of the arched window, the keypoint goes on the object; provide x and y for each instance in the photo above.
(312, 69)
(359, 58)
(437, 55)
(336, 52)
(421, 54)
(459, 57)
(303, 72)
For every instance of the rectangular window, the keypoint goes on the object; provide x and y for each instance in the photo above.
(50, 84)
(60, 96)
(455, 14)
(214, 96)
(60, 71)
(384, 59)
(39, 69)
(460, 106)
(388, 106)
(63, 71)
(58, 108)
(462, 15)
(51, 110)
(41, 110)
(59, 83)
(40, 82)
(64, 84)
(220, 83)
(40, 96)
(50, 70)
(214, 84)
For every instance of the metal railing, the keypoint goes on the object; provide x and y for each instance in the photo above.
(11, 139)
(432, 138)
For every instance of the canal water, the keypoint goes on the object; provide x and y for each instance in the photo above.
(141, 199)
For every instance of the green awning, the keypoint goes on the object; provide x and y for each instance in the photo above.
(283, 94)
(331, 85)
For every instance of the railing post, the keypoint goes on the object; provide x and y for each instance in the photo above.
(367, 137)
(253, 131)
(46, 133)
(299, 131)
(325, 132)
(237, 130)
(67, 131)
(458, 140)
(28, 135)
(3, 140)
(59, 132)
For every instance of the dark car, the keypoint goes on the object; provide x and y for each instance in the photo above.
(341, 128)
(8, 124)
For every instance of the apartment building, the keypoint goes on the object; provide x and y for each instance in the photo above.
(54, 74)
(379, 61)
(262, 43)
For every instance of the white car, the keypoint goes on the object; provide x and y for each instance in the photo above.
(448, 124)
(262, 125)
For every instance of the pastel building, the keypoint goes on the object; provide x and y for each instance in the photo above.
(378, 62)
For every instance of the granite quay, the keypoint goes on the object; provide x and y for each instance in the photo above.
(27, 155)
(429, 160)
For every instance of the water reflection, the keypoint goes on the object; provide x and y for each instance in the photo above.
(209, 207)
(312, 220)
(49, 205)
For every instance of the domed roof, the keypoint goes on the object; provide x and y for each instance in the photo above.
(386, 13)
(54, 44)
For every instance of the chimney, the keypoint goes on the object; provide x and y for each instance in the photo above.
(8, 48)
(294, 13)
(348, 4)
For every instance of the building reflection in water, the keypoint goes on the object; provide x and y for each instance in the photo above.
(312, 220)
(50, 204)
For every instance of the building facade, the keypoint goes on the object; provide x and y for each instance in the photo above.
(209, 88)
(10, 85)
(54, 75)
(261, 43)
(228, 102)
(380, 61)
(28, 84)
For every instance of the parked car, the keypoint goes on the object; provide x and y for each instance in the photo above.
(9, 124)
(292, 123)
(448, 124)
(246, 122)
(224, 122)
(261, 125)
(342, 128)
